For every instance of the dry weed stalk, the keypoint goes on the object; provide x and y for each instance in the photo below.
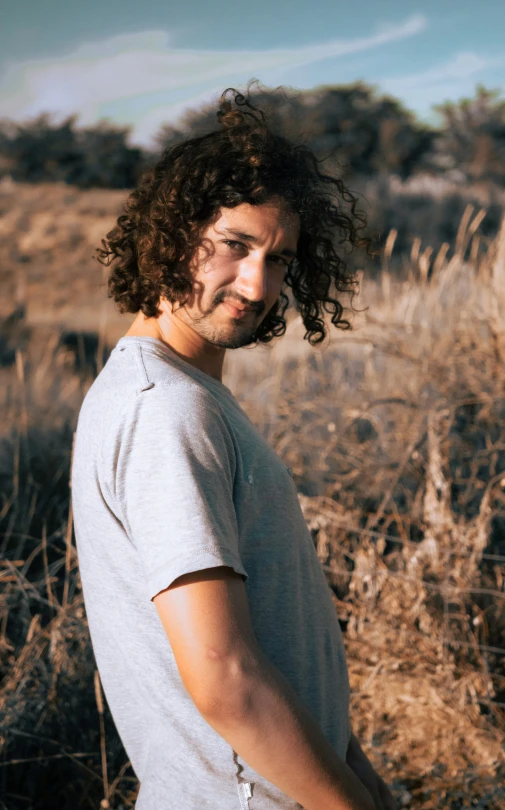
(416, 636)
(395, 435)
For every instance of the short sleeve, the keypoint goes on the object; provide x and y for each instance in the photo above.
(170, 467)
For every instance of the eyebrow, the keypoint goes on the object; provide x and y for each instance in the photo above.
(247, 237)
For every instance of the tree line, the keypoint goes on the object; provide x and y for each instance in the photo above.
(366, 134)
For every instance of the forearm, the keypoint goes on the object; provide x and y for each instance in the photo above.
(271, 729)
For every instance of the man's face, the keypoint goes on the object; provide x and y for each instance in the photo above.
(238, 271)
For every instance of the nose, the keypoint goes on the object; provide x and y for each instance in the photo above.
(251, 281)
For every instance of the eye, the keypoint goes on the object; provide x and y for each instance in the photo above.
(280, 260)
(234, 245)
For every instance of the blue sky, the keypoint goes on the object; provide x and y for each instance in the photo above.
(143, 63)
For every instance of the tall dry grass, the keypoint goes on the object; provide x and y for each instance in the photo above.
(396, 436)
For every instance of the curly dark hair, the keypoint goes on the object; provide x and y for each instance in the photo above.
(241, 162)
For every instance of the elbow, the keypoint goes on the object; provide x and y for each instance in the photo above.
(227, 697)
(228, 704)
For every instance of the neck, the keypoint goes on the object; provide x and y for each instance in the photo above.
(182, 339)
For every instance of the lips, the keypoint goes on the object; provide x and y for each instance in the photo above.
(237, 310)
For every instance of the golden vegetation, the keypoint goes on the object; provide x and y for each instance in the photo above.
(396, 436)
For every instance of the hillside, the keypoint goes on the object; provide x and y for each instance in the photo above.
(396, 435)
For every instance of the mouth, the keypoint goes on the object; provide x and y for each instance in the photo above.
(238, 311)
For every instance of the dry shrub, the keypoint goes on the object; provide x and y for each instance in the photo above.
(396, 436)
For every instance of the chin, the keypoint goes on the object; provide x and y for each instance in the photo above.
(226, 336)
(233, 341)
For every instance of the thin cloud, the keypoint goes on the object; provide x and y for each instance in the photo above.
(461, 67)
(448, 80)
(131, 67)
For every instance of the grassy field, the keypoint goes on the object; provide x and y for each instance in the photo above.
(396, 435)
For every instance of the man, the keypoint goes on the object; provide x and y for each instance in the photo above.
(212, 624)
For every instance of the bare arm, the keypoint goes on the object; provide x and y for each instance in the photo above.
(245, 698)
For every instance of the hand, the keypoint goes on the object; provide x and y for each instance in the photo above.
(359, 763)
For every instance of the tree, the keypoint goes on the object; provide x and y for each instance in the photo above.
(41, 151)
(365, 133)
(108, 161)
(473, 135)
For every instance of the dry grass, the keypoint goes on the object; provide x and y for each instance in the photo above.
(396, 436)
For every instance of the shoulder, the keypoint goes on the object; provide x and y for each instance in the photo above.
(176, 428)
(179, 412)
(178, 400)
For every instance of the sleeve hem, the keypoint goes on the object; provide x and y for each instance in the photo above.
(195, 561)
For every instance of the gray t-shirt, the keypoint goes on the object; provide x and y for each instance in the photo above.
(169, 475)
